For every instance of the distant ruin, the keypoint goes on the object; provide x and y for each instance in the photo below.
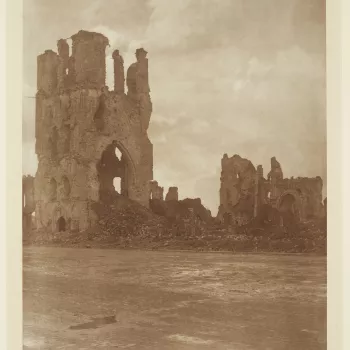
(79, 126)
(246, 195)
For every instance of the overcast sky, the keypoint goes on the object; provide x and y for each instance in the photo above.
(240, 77)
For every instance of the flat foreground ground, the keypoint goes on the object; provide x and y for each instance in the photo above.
(107, 299)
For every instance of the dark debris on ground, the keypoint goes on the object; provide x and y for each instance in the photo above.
(128, 225)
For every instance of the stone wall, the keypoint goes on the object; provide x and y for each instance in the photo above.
(77, 121)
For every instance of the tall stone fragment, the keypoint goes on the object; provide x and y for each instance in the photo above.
(63, 54)
(274, 176)
(172, 194)
(89, 52)
(119, 79)
(138, 87)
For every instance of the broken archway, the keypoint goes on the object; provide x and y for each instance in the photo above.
(61, 224)
(289, 207)
(115, 173)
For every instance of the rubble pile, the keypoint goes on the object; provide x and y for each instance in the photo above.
(184, 208)
(126, 224)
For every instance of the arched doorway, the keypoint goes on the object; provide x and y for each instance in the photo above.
(287, 203)
(114, 172)
(289, 207)
(61, 224)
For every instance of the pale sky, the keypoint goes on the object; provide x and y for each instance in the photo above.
(240, 77)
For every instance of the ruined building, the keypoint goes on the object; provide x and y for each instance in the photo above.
(245, 193)
(79, 126)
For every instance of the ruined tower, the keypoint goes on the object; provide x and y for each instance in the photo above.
(86, 135)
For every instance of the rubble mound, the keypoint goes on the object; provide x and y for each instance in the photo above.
(122, 217)
(185, 225)
(175, 209)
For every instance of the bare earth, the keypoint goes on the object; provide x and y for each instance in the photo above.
(107, 299)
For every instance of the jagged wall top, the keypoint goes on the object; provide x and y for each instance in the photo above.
(85, 68)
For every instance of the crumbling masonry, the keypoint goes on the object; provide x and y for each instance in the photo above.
(79, 126)
(245, 194)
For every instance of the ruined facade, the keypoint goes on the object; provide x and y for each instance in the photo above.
(79, 126)
(245, 193)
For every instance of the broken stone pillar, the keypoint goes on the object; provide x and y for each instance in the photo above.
(276, 170)
(131, 81)
(88, 50)
(47, 72)
(274, 176)
(63, 54)
(142, 85)
(258, 179)
(63, 50)
(138, 87)
(172, 194)
(118, 72)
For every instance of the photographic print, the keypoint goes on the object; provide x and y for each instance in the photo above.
(174, 189)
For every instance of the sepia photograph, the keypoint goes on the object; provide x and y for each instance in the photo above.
(174, 174)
